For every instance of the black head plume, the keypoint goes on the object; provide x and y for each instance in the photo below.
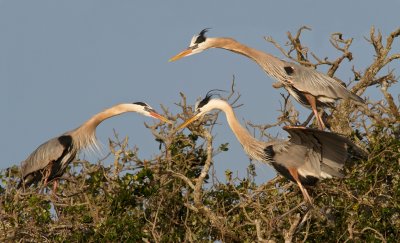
(146, 107)
(202, 36)
(141, 103)
(209, 95)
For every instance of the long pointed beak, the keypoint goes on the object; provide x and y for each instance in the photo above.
(160, 117)
(180, 55)
(188, 121)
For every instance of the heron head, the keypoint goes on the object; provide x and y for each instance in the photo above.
(197, 45)
(147, 110)
(203, 106)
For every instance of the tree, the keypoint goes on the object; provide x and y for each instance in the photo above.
(175, 197)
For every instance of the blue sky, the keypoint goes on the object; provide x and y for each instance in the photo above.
(63, 61)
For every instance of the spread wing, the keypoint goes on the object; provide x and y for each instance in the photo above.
(326, 151)
(302, 152)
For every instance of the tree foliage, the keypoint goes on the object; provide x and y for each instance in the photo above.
(175, 197)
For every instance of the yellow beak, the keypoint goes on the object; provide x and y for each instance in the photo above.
(188, 121)
(160, 117)
(180, 55)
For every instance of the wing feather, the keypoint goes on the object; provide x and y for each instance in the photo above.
(326, 151)
(318, 84)
(52, 150)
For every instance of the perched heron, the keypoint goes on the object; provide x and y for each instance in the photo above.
(50, 160)
(309, 154)
(309, 87)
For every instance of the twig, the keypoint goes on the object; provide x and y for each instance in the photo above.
(182, 177)
(288, 234)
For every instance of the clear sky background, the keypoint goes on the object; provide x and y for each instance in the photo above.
(63, 61)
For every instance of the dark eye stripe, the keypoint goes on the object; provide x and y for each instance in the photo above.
(204, 102)
(200, 39)
(208, 97)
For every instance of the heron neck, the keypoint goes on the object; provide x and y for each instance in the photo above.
(253, 147)
(232, 45)
(87, 131)
(95, 120)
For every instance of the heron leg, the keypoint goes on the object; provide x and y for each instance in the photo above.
(55, 184)
(46, 175)
(320, 121)
(313, 102)
(295, 176)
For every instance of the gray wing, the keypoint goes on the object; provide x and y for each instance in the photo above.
(311, 81)
(301, 152)
(49, 151)
(325, 152)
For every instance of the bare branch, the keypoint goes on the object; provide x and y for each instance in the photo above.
(288, 234)
(182, 177)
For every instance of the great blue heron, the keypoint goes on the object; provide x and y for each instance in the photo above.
(308, 86)
(50, 159)
(309, 155)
